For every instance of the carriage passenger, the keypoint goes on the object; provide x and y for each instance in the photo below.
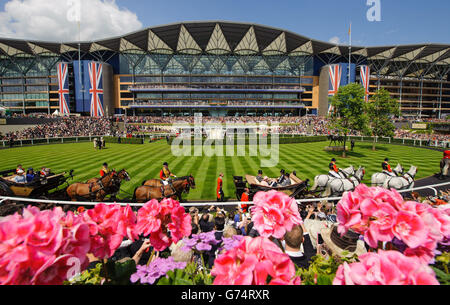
(19, 168)
(20, 178)
(287, 180)
(43, 172)
(30, 175)
(260, 177)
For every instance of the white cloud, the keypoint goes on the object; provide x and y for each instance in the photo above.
(335, 40)
(50, 20)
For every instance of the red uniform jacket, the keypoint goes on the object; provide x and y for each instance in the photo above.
(447, 154)
(244, 198)
(219, 187)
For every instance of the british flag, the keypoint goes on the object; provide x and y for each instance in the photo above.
(335, 72)
(365, 80)
(96, 89)
(63, 90)
(335, 79)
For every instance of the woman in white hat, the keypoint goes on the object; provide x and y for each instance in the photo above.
(20, 178)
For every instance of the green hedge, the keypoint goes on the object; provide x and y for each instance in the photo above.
(282, 140)
(123, 140)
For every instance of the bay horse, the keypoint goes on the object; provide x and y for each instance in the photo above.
(93, 191)
(181, 185)
(114, 189)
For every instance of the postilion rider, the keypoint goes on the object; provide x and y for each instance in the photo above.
(166, 177)
(387, 168)
(105, 170)
(335, 172)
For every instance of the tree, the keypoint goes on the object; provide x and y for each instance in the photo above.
(380, 110)
(348, 112)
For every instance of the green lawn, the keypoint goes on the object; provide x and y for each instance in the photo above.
(144, 162)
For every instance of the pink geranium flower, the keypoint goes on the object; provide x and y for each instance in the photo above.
(36, 248)
(385, 268)
(380, 218)
(410, 228)
(157, 219)
(255, 261)
(380, 215)
(274, 214)
(109, 225)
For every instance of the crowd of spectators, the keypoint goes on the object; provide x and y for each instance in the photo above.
(306, 125)
(64, 127)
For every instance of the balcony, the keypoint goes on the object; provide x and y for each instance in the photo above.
(217, 88)
(215, 105)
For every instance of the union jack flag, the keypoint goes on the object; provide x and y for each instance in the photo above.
(365, 80)
(96, 89)
(63, 90)
(335, 79)
(335, 72)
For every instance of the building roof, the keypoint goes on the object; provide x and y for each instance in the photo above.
(223, 37)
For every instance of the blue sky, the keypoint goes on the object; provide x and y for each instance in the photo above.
(403, 21)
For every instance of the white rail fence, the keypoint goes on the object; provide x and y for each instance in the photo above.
(47, 141)
(3, 199)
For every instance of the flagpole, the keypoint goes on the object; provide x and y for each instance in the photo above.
(350, 54)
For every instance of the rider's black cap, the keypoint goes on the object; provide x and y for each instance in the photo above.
(260, 172)
(282, 171)
(387, 159)
(105, 164)
(333, 160)
(166, 164)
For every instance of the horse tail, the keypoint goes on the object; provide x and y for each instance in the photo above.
(327, 191)
(314, 187)
(134, 194)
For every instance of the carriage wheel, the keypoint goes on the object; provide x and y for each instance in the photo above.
(5, 190)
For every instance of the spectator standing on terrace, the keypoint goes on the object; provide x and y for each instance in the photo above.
(297, 244)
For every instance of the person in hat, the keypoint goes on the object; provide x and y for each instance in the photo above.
(342, 246)
(105, 170)
(260, 177)
(279, 180)
(219, 191)
(43, 172)
(30, 175)
(20, 178)
(245, 198)
(334, 170)
(387, 168)
(19, 168)
(166, 177)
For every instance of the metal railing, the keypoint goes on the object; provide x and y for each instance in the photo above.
(48, 141)
(3, 199)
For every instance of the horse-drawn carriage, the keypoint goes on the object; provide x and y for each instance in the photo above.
(39, 188)
(298, 189)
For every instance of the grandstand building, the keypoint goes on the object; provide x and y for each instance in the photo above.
(217, 68)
